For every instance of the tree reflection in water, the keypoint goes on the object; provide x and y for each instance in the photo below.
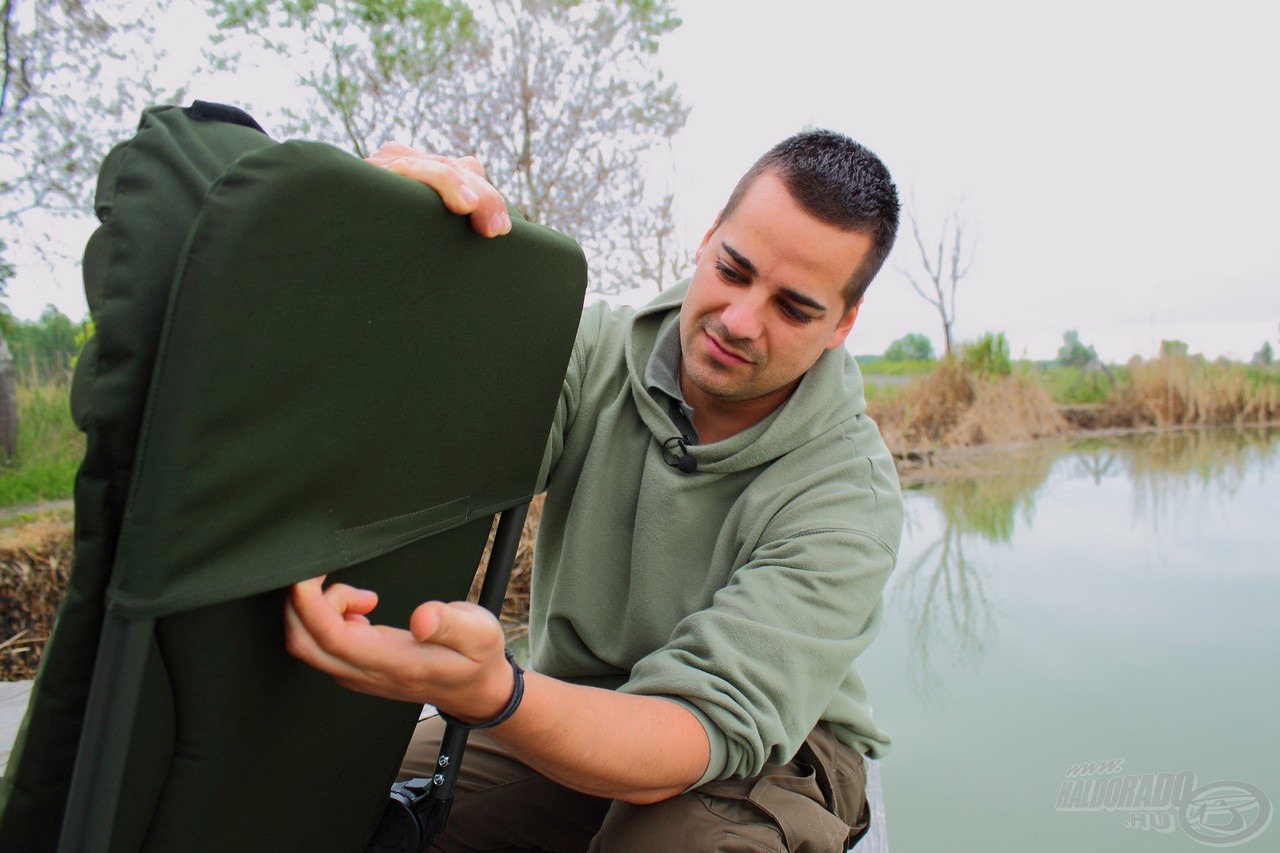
(942, 593)
(945, 597)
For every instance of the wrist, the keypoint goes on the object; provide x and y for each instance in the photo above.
(513, 677)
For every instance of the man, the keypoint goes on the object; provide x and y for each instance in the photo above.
(694, 621)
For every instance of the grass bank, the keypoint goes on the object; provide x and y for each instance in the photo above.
(49, 448)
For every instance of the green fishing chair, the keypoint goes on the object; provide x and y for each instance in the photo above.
(302, 365)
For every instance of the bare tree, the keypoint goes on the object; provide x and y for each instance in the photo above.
(373, 71)
(943, 596)
(77, 74)
(944, 265)
(560, 99)
(649, 242)
(570, 108)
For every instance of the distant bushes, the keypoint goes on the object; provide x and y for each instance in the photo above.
(43, 349)
(988, 356)
(984, 397)
(910, 347)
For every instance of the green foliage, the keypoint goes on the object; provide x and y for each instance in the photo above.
(6, 274)
(44, 349)
(1072, 353)
(1263, 378)
(910, 347)
(1173, 349)
(6, 270)
(879, 391)
(49, 448)
(884, 367)
(987, 356)
(1077, 386)
(1264, 356)
(87, 329)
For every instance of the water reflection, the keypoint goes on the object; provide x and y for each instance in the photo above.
(1171, 471)
(943, 594)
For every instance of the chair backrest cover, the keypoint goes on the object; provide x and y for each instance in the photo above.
(303, 366)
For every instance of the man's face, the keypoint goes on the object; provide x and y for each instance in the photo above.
(766, 297)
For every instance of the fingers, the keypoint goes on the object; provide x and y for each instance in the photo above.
(307, 614)
(464, 643)
(452, 656)
(471, 164)
(393, 150)
(352, 603)
(467, 629)
(461, 184)
(316, 621)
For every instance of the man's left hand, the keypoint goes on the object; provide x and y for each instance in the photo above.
(451, 656)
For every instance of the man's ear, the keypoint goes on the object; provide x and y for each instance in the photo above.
(842, 328)
(706, 238)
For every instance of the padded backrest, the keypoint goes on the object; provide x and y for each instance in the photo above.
(150, 190)
(347, 380)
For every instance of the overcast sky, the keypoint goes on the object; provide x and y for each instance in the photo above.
(1118, 159)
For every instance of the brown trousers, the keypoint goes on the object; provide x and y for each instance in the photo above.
(816, 802)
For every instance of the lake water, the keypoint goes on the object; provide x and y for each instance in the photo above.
(1104, 601)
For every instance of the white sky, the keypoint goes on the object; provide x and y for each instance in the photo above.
(1119, 159)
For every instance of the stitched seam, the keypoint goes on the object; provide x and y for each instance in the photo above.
(402, 516)
(768, 819)
(403, 537)
(866, 534)
(752, 842)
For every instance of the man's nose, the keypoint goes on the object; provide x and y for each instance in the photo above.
(742, 318)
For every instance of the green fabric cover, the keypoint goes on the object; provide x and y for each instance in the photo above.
(348, 380)
(149, 191)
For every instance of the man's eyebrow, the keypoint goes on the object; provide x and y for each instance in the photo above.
(739, 258)
(806, 301)
(794, 295)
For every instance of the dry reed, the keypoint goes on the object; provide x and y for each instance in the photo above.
(953, 408)
(1178, 390)
(35, 563)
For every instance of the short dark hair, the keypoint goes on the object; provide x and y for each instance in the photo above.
(839, 182)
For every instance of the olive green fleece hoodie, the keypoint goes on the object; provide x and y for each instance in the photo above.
(744, 590)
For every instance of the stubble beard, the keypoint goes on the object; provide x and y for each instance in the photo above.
(703, 370)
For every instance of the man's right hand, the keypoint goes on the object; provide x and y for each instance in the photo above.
(461, 184)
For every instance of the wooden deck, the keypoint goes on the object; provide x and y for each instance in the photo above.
(877, 838)
(13, 704)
